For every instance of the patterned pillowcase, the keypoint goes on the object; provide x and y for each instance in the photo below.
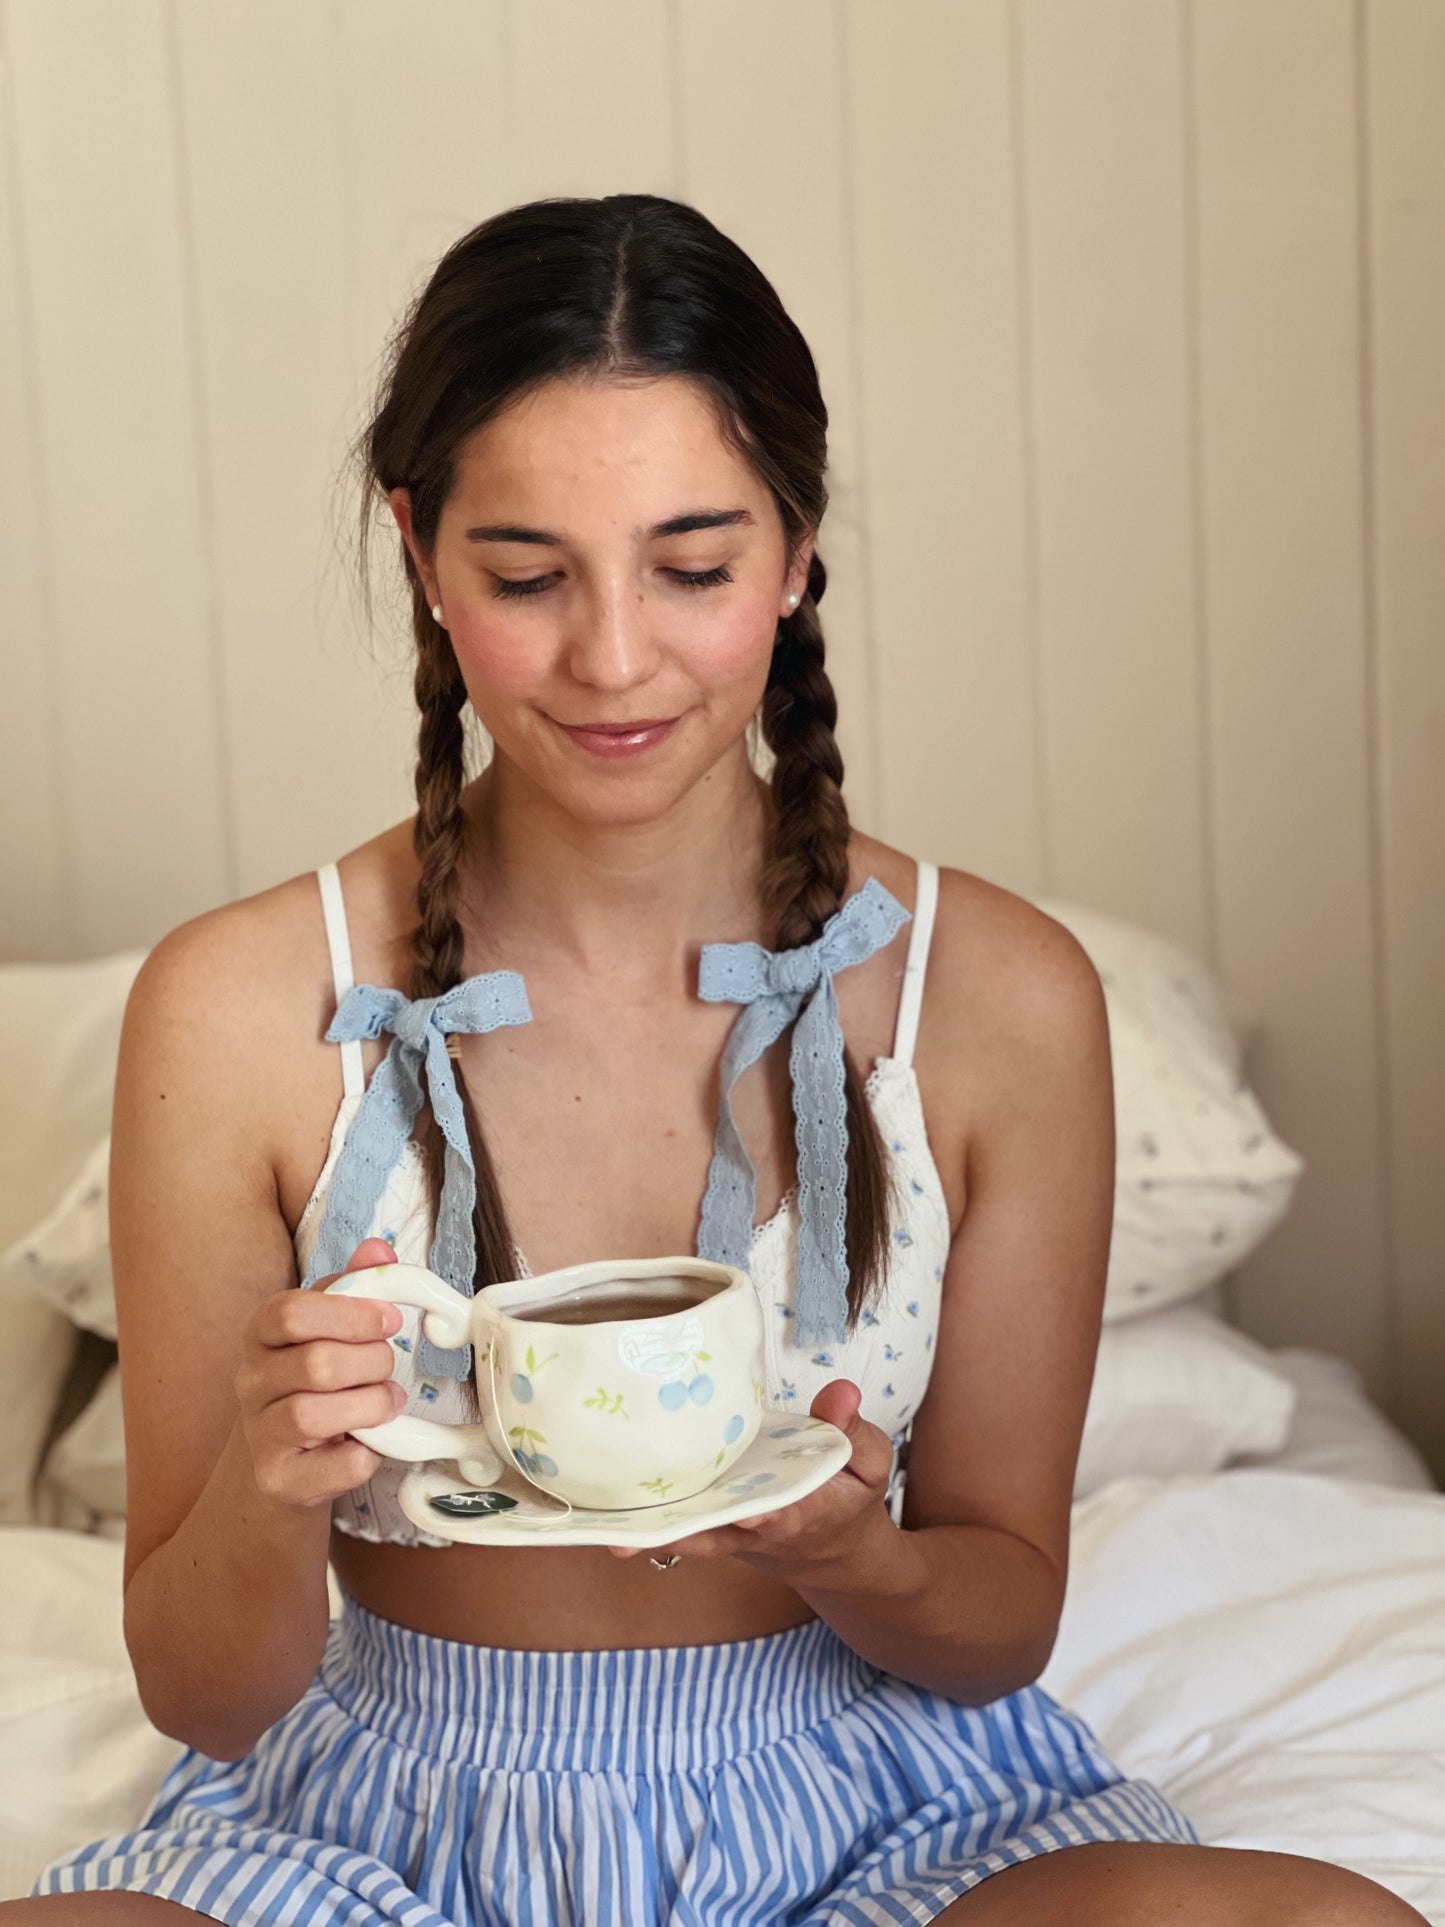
(1200, 1177)
(66, 1257)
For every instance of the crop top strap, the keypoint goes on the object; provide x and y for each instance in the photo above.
(910, 1003)
(353, 1080)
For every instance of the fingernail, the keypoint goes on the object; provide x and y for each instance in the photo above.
(398, 1395)
(392, 1321)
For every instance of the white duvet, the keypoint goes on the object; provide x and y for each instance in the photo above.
(1267, 1646)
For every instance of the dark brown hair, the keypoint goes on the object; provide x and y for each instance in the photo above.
(628, 286)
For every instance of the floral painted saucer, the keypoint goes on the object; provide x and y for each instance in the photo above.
(790, 1457)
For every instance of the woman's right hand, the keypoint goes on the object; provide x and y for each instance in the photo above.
(313, 1368)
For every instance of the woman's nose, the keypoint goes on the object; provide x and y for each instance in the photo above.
(613, 648)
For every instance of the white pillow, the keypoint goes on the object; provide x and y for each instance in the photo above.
(1199, 1177)
(59, 1038)
(1338, 1431)
(59, 1035)
(1178, 1392)
(82, 1482)
(65, 1259)
(34, 1363)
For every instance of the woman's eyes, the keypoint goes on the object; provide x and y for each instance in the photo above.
(686, 578)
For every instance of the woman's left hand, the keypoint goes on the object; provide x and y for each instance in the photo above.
(803, 1540)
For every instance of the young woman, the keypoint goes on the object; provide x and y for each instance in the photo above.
(602, 441)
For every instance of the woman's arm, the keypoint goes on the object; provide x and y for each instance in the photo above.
(966, 1598)
(1014, 1064)
(226, 1609)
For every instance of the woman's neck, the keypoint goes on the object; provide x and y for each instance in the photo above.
(600, 895)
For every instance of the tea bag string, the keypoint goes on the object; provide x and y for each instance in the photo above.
(545, 1525)
(776, 988)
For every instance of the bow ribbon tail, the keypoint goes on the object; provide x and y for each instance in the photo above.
(725, 1234)
(374, 1144)
(454, 1249)
(821, 1127)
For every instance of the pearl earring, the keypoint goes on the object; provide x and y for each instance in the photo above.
(792, 602)
(436, 612)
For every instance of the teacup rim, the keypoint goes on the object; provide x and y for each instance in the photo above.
(569, 1277)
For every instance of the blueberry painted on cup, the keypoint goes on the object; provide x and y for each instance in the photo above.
(677, 1392)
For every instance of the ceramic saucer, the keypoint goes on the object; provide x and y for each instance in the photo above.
(791, 1457)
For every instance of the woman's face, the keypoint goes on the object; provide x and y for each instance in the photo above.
(611, 574)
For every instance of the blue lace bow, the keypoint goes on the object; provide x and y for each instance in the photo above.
(384, 1120)
(776, 986)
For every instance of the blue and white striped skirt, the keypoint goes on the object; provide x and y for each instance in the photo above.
(763, 1782)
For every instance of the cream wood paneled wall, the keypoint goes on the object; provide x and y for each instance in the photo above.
(1129, 317)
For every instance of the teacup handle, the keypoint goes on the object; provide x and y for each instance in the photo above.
(447, 1323)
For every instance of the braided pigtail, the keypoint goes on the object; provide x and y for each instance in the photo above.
(436, 942)
(805, 883)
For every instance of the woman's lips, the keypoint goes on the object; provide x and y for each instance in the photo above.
(618, 739)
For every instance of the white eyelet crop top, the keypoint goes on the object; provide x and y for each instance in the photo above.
(890, 1354)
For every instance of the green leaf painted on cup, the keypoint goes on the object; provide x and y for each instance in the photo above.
(610, 1402)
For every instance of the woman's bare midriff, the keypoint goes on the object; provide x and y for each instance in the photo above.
(563, 1598)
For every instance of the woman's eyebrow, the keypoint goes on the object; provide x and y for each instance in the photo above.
(683, 524)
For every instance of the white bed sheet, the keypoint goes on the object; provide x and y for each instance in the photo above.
(1267, 1646)
(78, 1757)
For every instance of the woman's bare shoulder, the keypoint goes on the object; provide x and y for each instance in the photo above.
(242, 994)
(998, 965)
(268, 944)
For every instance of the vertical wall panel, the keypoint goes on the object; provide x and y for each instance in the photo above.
(37, 896)
(1404, 60)
(756, 148)
(403, 200)
(127, 547)
(936, 260)
(591, 100)
(421, 148)
(1109, 328)
(1280, 362)
(305, 717)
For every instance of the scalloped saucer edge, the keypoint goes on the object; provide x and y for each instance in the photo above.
(791, 1457)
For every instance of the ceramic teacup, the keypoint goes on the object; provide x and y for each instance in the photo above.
(612, 1386)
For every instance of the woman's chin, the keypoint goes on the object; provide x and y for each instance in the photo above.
(627, 804)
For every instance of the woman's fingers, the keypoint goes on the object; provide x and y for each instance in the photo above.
(316, 1475)
(371, 1251)
(313, 1418)
(300, 1317)
(316, 1366)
